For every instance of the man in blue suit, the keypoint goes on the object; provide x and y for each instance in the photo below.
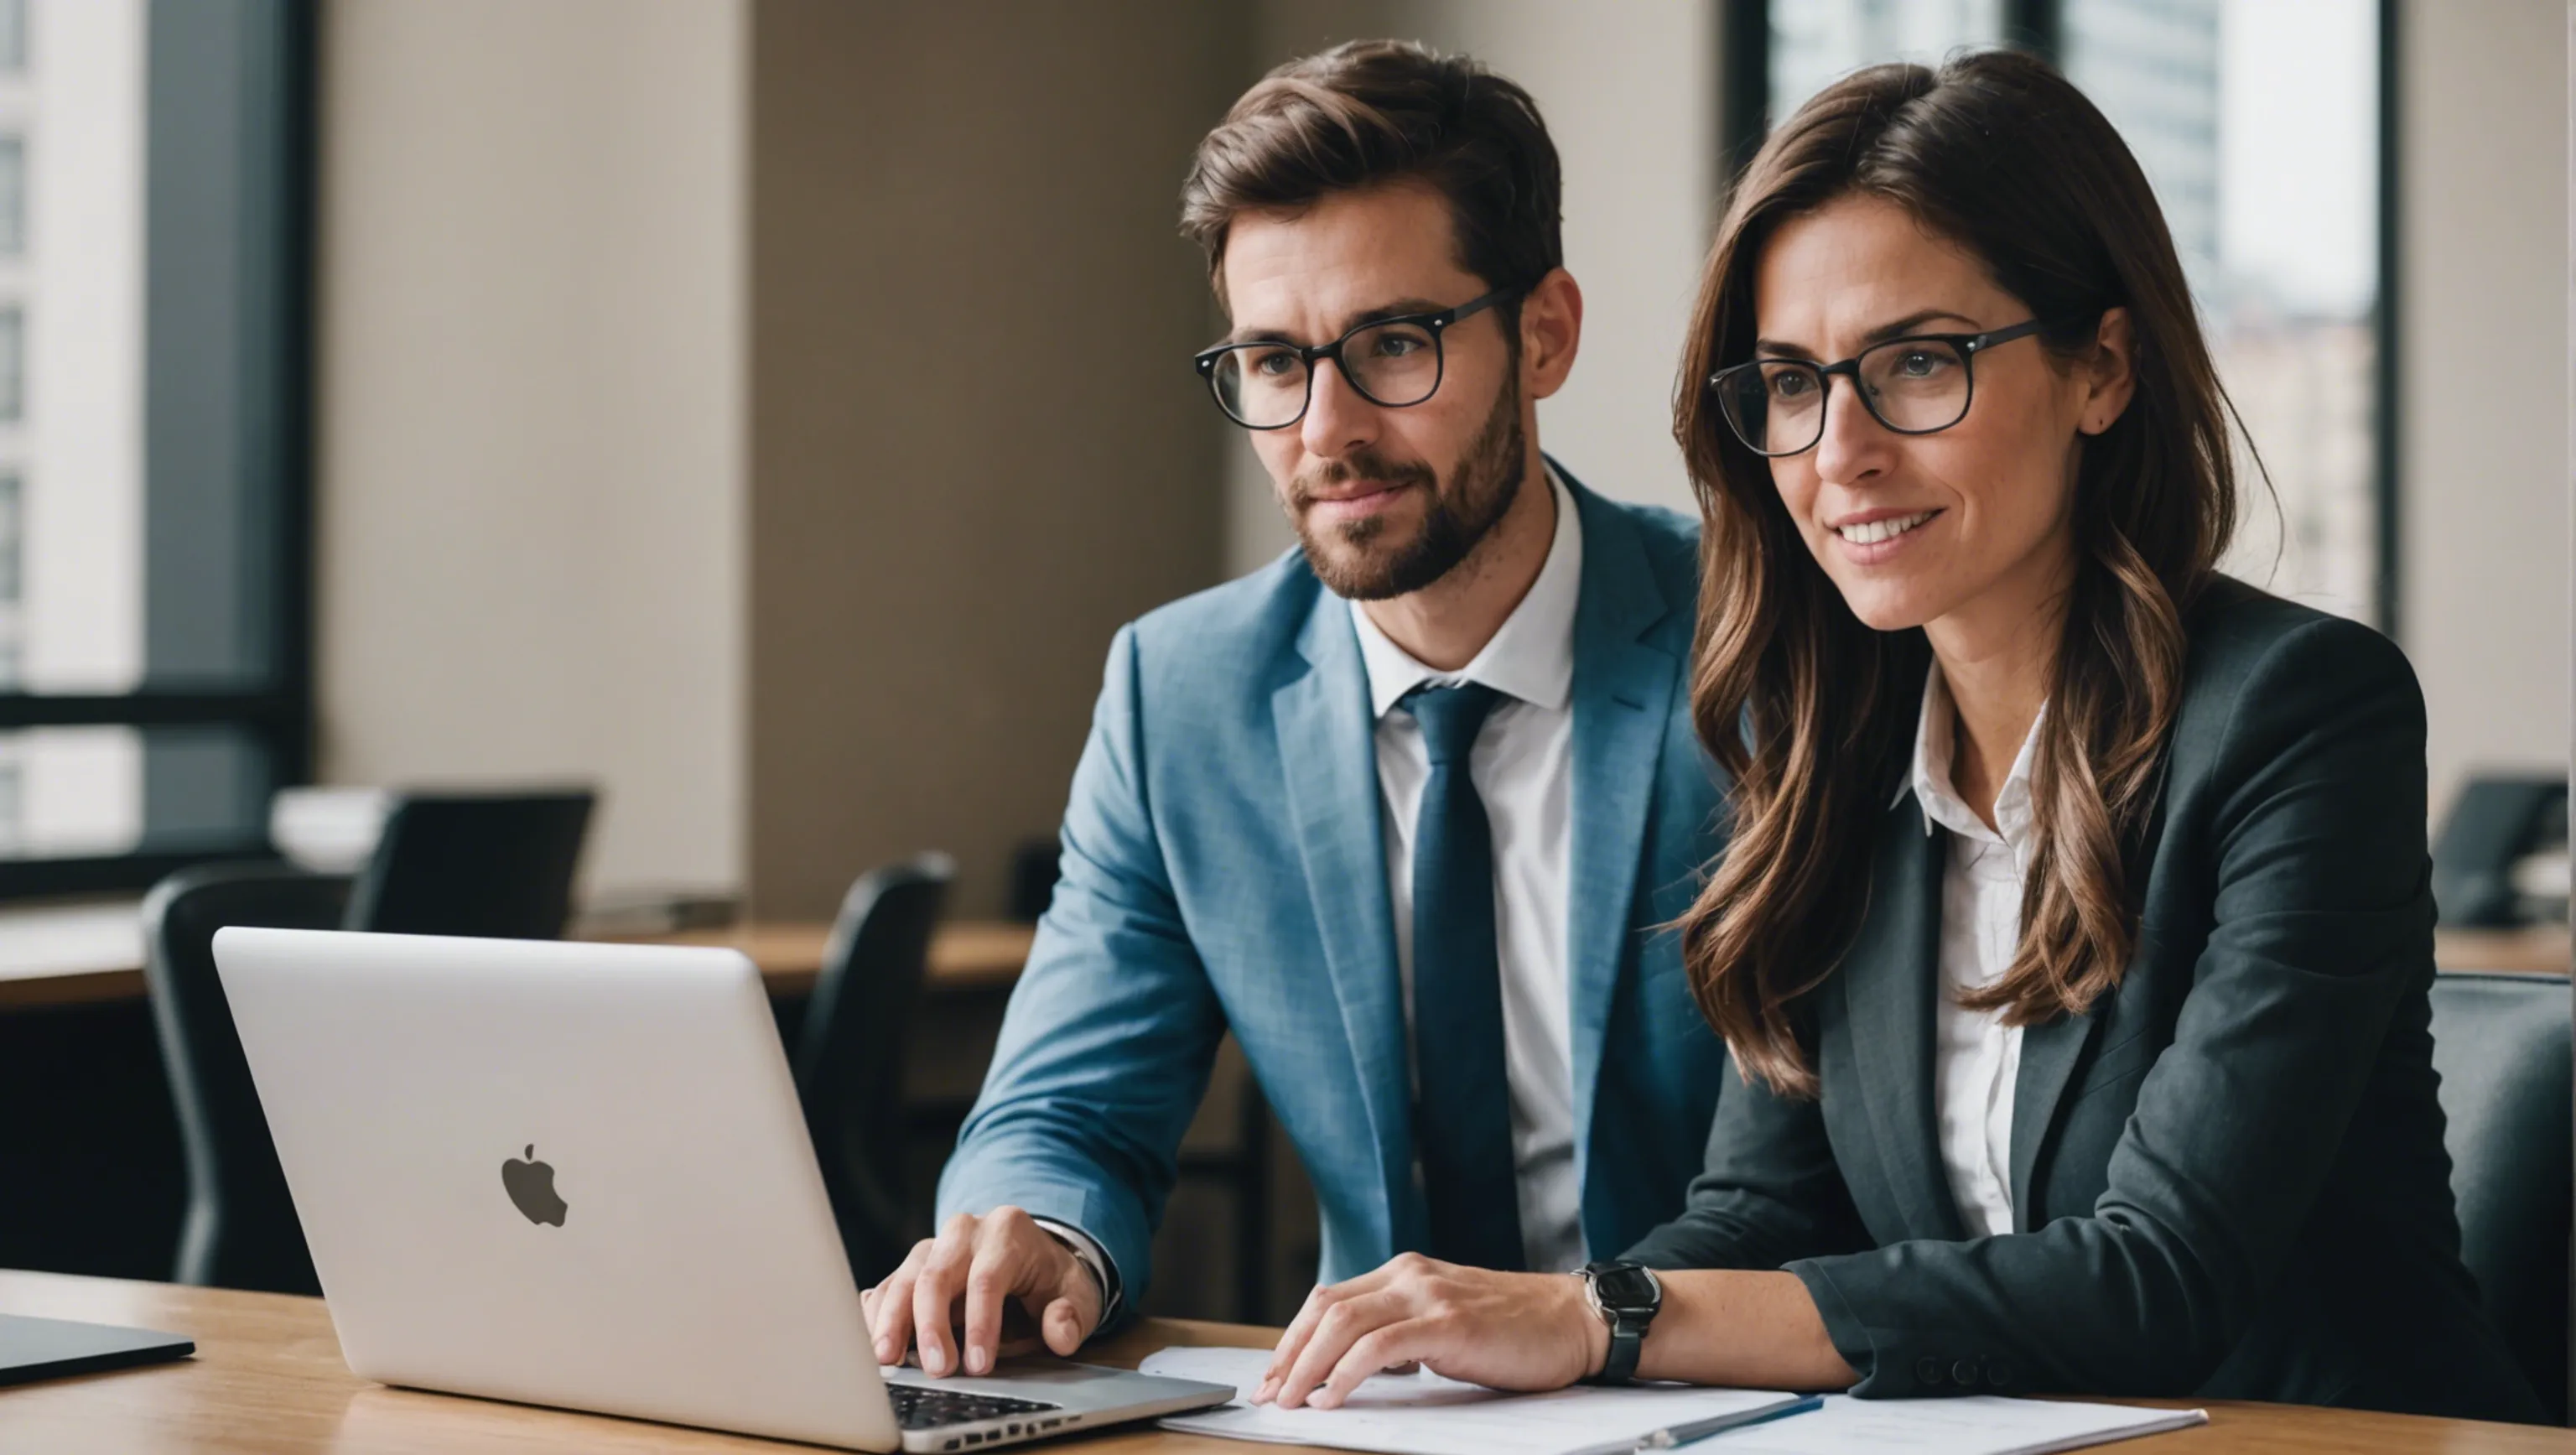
(1403, 810)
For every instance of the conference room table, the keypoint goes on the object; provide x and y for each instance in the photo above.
(92, 953)
(267, 1377)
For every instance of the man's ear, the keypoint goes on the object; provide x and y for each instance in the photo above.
(2111, 379)
(1551, 331)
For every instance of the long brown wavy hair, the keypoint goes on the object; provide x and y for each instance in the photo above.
(1812, 712)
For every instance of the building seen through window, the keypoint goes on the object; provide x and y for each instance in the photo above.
(13, 195)
(70, 412)
(13, 35)
(2258, 123)
(150, 427)
(1815, 41)
(13, 549)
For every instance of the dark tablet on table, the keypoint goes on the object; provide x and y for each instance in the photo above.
(50, 1348)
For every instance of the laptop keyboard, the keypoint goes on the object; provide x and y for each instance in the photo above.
(917, 1407)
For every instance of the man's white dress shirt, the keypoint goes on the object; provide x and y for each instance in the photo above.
(1975, 1056)
(1522, 767)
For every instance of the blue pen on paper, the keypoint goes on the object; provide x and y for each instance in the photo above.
(1685, 1434)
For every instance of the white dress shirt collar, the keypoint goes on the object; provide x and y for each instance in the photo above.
(1930, 780)
(1530, 659)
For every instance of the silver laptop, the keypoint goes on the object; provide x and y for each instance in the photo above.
(577, 1175)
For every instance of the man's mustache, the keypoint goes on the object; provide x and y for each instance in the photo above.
(1358, 469)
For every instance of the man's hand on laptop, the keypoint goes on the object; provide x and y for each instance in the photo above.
(1002, 1280)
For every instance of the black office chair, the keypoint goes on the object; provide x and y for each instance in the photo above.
(489, 864)
(2497, 819)
(241, 1229)
(849, 1053)
(1035, 866)
(2502, 1045)
(497, 865)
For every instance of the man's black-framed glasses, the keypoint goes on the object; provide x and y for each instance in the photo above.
(1392, 362)
(1919, 384)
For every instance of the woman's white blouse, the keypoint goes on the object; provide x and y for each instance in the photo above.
(1975, 1056)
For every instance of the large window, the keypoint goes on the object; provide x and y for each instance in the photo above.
(154, 677)
(2258, 121)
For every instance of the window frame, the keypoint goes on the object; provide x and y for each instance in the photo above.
(273, 208)
(2038, 26)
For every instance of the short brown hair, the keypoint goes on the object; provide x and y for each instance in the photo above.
(1369, 112)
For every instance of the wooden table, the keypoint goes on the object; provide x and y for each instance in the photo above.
(2539, 950)
(964, 954)
(86, 954)
(89, 954)
(268, 1378)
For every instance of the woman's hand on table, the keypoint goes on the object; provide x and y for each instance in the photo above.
(1522, 1331)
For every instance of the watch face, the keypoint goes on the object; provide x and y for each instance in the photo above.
(1627, 1288)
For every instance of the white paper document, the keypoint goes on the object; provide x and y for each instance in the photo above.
(1975, 1424)
(1424, 1414)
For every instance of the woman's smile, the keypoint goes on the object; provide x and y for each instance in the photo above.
(1875, 537)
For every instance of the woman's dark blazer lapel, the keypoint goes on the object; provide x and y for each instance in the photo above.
(1889, 981)
(2050, 1052)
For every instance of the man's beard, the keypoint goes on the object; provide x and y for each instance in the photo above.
(1457, 514)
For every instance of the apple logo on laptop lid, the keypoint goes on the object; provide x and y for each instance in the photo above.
(531, 1185)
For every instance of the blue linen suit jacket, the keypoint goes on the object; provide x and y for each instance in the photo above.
(1224, 867)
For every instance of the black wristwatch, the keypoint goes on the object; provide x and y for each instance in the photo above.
(1627, 1296)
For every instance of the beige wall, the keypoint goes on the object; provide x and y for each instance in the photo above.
(1631, 101)
(976, 445)
(566, 246)
(531, 479)
(2483, 476)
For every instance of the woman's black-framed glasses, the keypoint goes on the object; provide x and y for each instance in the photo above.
(1392, 362)
(1919, 384)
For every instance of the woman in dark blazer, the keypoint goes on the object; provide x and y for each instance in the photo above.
(2073, 936)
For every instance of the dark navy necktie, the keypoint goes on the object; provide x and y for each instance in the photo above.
(1463, 1121)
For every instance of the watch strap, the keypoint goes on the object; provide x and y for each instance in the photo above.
(1627, 1337)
